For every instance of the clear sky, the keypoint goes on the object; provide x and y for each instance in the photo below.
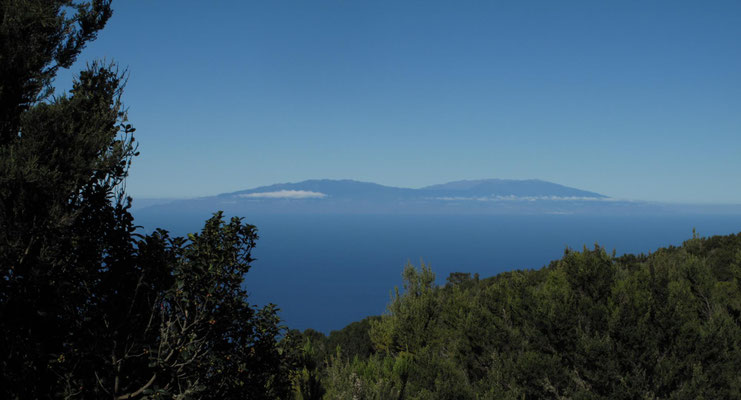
(632, 99)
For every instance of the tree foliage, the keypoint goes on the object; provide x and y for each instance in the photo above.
(88, 307)
(590, 325)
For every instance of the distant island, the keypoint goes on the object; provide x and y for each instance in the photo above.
(485, 196)
(480, 190)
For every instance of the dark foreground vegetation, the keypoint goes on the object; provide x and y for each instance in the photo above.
(91, 309)
(588, 326)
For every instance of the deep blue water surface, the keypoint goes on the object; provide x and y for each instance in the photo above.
(327, 271)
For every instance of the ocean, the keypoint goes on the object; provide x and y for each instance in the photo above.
(325, 271)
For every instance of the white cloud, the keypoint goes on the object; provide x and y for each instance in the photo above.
(524, 198)
(285, 194)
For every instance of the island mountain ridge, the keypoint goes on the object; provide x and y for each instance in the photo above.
(486, 196)
(464, 188)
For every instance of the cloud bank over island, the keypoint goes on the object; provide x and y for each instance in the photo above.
(285, 194)
(525, 198)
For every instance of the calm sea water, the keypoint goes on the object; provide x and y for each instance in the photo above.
(327, 271)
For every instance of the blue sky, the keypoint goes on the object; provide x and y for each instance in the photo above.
(632, 99)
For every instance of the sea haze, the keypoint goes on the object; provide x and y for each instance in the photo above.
(325, 270)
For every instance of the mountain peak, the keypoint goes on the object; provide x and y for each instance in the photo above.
(513, 187)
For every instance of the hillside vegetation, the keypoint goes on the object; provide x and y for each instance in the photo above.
(588, 326)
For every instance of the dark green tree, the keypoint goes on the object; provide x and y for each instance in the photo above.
(88, 307)
(588, 326)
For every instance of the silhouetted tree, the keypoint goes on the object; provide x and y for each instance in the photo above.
(89, 308)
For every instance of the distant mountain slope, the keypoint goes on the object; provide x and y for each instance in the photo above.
(366, 190)
(327, 187)
(327, 196)
(510, 187)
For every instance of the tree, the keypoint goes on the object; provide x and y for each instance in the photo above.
(590, 325)
(88, 307)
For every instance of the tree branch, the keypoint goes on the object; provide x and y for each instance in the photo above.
(138, 391)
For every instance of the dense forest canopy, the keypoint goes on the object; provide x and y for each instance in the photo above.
(90, 308)
(588, 326)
